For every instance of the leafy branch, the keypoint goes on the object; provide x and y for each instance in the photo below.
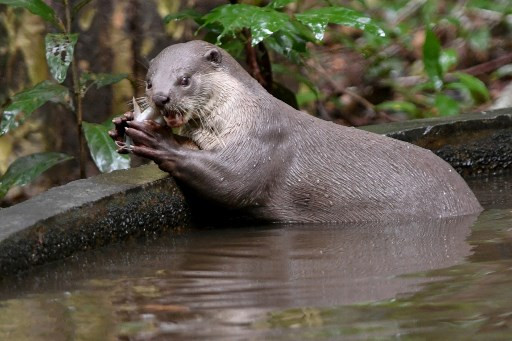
(60, 56)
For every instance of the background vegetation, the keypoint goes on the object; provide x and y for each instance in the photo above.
(67, 67)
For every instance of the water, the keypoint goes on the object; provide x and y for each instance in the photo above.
(447, 279)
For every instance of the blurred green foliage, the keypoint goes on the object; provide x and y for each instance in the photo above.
(287, 27)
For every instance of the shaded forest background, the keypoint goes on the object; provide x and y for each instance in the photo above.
(350, 78)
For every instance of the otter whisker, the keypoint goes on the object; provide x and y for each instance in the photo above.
(210, 127)
(142, 102)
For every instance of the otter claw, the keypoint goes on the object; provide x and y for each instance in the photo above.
(123, 148)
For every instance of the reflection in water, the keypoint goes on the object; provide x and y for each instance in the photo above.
(226, 278)
(494, 193)
(312, 265)
(471, 300)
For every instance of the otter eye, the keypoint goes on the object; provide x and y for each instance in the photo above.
(185, 81)
(149, 85)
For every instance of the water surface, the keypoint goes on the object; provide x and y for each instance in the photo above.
(432, 279)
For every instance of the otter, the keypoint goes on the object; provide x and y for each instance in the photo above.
(259, 158)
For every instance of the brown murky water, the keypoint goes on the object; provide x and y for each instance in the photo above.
(448, 278)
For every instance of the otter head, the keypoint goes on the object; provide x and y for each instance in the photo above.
(176, 83)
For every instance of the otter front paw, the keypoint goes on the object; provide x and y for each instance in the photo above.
(118, 133)
(154, 141)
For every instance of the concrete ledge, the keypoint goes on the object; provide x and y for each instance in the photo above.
(474, 144)
(90, 213)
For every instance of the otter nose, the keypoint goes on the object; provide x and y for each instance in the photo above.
(160, 99)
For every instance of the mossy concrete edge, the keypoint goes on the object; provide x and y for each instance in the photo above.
(87, 214)
(474, 144)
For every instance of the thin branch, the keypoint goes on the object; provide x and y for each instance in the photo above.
(252, 62)
(77, 95)
(475, 70)
(489, 66)
(409, 9)
(363, 101)
(265, 65)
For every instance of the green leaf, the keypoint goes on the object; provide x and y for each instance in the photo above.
(401, 106)
(317, 20)
(25, 169)
(462, 92)
(104, 79)
(306, 97)
(446, 106)
(280, 3)
(234, 47)
(186, 14)
(448, 59)
(103, 148)
(289, 42)
(431, 57)
(262, 21)
(37, 7)
(99, 79)
(475, 86)
(25, 102)
(59, 53)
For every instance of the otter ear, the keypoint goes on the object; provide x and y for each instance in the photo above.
(214, 56)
